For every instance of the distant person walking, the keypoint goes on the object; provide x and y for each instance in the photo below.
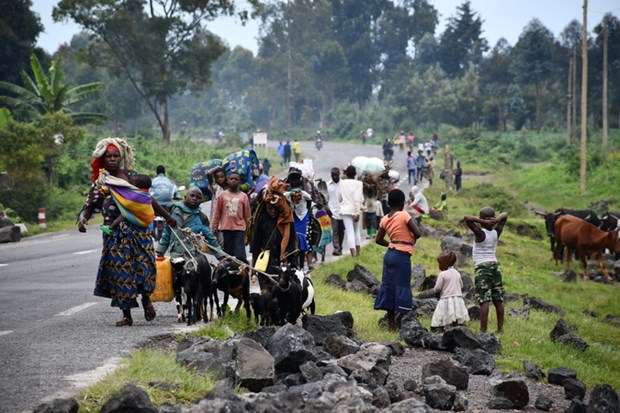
(420, 163)
(333, 203)
(458, 176)
(281, 153)
(287, 153)
(297, 150)
(412, 169)
(351, 204)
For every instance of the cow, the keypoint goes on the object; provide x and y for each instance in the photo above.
(233, 280)
(609, 221)
(193, 279)
(578, 235)
(550, 217)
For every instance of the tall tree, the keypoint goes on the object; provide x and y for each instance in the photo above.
(570, 40)
(424, 20)
(462, 43)
(19, 30)
(495, 81)
(161, 46)
(532, 62)
(354, 23)
(48, 93)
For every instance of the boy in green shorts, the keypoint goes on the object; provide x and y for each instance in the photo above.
(488, 276)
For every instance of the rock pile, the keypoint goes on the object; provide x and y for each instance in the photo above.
(321, 367)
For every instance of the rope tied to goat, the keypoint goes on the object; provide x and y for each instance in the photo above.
(199, 246)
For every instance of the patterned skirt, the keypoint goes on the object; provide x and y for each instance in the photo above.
(127, 266)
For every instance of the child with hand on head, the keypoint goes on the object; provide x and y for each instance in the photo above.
(395, 291)
(488, 275)
(450, 310)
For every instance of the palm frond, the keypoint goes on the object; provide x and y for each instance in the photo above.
(42, 82)
(79, 93)
(84, 118)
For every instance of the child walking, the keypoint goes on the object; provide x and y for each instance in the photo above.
(450, 310)
(232, 212)
(488, 276)
(322, 216)
(395, 292)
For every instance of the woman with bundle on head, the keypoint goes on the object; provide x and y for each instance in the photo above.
(127, 266)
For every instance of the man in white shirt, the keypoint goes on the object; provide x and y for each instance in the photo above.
(333, 188)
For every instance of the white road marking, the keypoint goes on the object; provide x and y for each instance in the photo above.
(4, 333)
(76, 309)
(60, 236)
(3, 265)
(84, 252)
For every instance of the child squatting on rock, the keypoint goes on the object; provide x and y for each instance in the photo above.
(395, 291)
(450, 310)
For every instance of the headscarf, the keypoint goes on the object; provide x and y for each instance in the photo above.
(274, 194)
(127, 159)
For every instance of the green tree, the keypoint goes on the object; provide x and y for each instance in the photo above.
(48, 93)
(29, 159)
(162, 46)
(496, 79)
(532, 62)
(613, 67)
(461, 43)
(19, 30)
(354, 23)
(424, 20)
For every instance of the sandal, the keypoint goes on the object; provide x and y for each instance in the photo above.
(149, 310)
(126, 321)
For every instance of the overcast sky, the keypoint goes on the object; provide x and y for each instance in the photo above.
(501, 18)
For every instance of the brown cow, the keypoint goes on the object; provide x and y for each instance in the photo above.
(584, 238)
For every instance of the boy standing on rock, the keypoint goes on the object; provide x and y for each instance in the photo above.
(487, 274)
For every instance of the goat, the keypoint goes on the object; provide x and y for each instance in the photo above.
(233, 280)
(193, 278)
(265, 306)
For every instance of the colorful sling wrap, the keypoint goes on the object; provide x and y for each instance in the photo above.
(135, 205)
(245, 163)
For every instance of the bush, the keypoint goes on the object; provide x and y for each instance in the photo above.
(64, 204)
(498, 199)
(25, 196)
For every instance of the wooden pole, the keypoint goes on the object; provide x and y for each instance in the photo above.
(573, 129)
(605, 109)
(569, 103)
(584, 95)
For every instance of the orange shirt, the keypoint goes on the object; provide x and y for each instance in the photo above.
(395, 225)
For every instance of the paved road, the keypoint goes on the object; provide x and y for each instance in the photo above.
(56, 338)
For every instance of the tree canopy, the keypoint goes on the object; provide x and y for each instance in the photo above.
(162, 46)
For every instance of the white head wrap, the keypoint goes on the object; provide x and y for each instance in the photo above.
(127, 159)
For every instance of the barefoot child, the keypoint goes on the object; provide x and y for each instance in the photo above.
(451, 310)
(395, 291)
(488, 275)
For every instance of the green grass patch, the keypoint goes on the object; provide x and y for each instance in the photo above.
(157, 373)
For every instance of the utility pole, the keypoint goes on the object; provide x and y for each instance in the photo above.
(605, 109)
(584, 95)
(569, 101)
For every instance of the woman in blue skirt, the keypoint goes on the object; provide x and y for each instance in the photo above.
(395, 292)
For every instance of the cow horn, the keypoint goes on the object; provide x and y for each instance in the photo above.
(540, 214)
(557, 213)
(587, 217)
